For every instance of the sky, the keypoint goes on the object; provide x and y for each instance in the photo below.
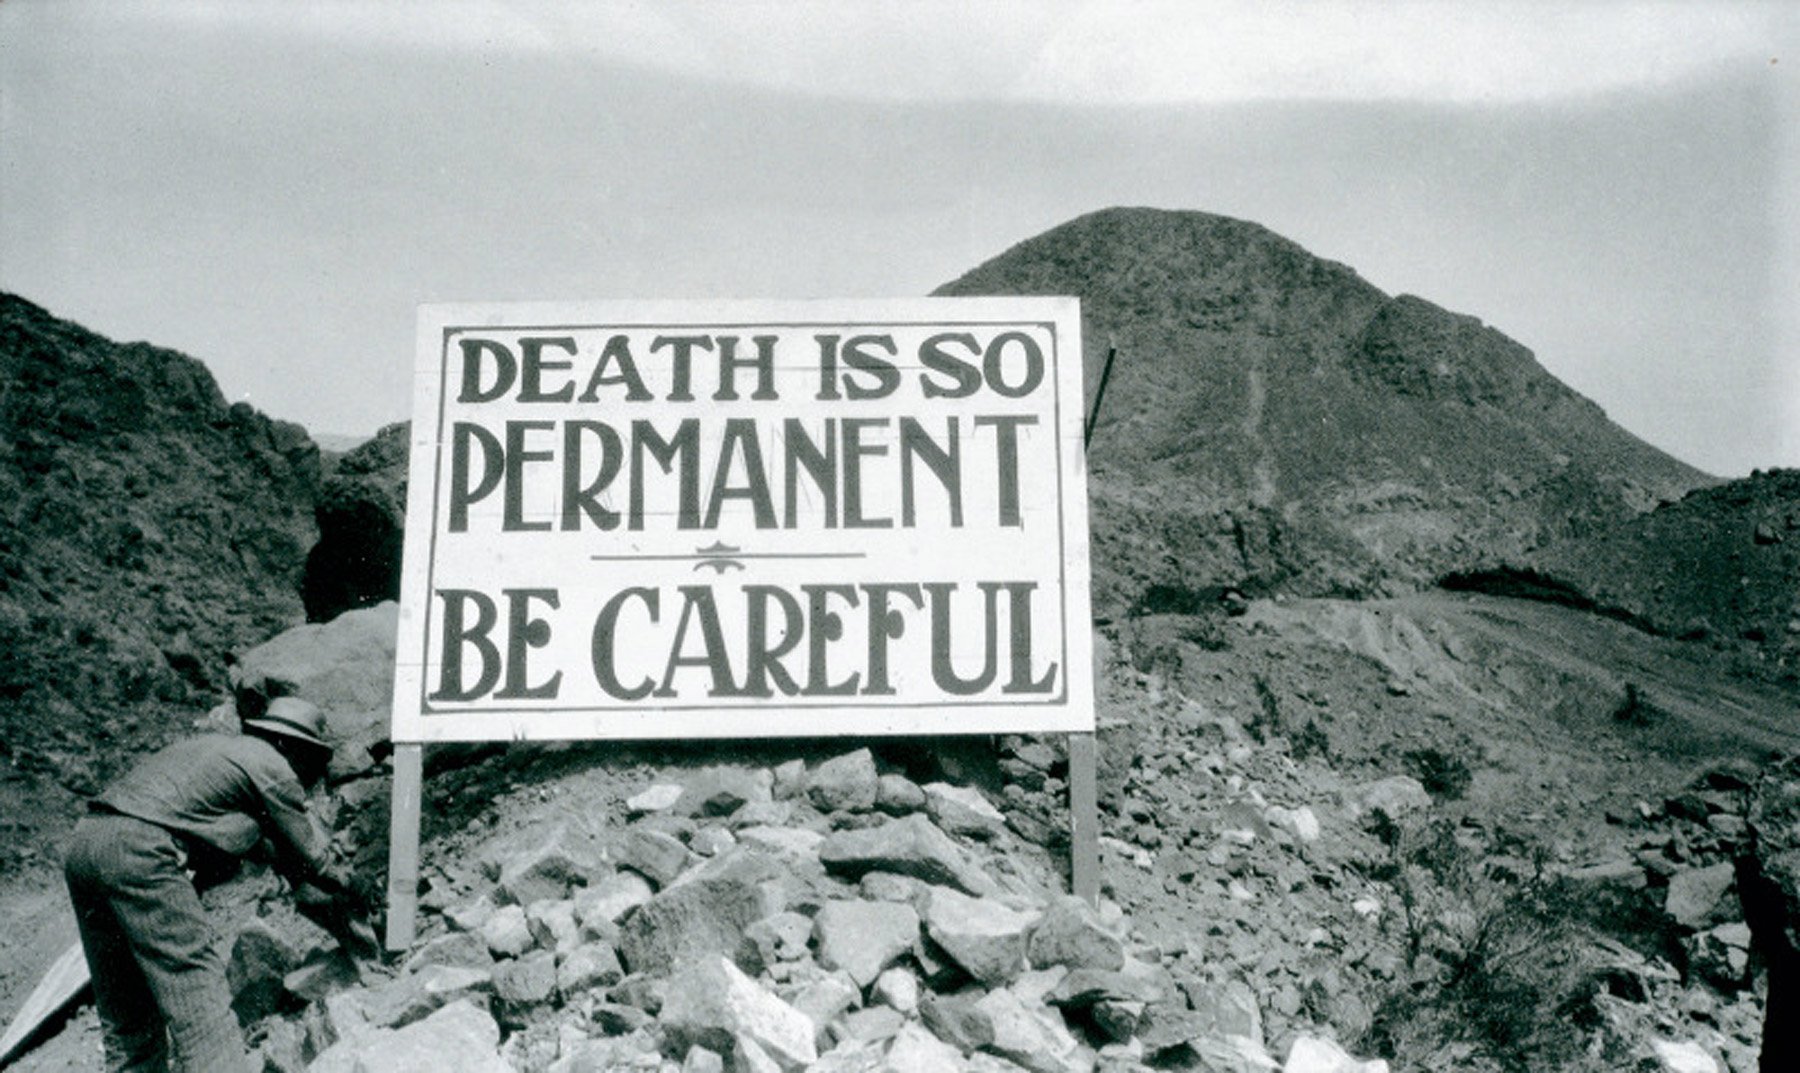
(274, 187)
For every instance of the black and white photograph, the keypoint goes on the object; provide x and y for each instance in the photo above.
(1066, 536)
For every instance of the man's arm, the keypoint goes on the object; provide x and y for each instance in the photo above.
(302, 853)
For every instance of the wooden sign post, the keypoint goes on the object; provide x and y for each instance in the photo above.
(1084, 790)
(744, 520)
(403, 845)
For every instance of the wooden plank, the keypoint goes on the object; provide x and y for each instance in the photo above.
(1087, 430)
(403, 846)
(1084, 819)
(62, 984)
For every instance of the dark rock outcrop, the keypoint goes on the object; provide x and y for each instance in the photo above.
(361, 513)
(1768, 878)
(1718, 565)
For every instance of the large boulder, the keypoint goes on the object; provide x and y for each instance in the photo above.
(722, 790)
(345, 666)
(849, 782)
(863, 938)
(525, 987)
(1701, 897)
(910, 846)
(1311, 1054)
(256, 973)
(706, 914)
(1031, 1036)
(961, 810)
(561, 857)
(983, 935)
(1071, 933)
(460, 1038)
(656, 855)
(414, 996)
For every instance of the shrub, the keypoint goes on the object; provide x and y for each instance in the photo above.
(1311, 741)
(1634, 710)
(1445, 777)
(1266, 722)
(1497, 969)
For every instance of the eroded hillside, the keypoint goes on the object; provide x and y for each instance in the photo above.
(1276, 423)
(1720, 567)
(149, 528)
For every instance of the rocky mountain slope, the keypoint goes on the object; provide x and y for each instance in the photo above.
(149, 528)
(1720, 566)
(1276, 424)
(361, 512)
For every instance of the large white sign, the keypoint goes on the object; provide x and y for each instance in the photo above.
(735, 519)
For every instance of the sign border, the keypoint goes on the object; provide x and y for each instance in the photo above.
(1071, 709)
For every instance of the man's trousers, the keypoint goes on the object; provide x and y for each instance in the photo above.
(159, 978)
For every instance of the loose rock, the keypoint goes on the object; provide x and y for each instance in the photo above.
(982, 935)
(847, 783)
(1697, 896)
(1032, 1038)
(711, 1003)
(507, 932)
(1311, 1054)
(549, 867)
(721, 791)
(911, 846)
(863, 938)
(961, 810)
(706, 915)
(1070, 933)
(460, 1038)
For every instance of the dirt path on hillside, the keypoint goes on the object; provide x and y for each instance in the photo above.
(1518, 654)
(1721, 713)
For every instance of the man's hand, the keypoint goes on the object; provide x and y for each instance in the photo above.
(365, 890)
(356, 893)
(344, 914)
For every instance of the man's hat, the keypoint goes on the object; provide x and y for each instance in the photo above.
(291, 717)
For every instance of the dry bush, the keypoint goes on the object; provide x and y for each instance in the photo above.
(1497, 975)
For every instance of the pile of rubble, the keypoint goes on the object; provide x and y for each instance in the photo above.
(1264, 897)
(1287, 894)
(1687, 859)
(834, 919)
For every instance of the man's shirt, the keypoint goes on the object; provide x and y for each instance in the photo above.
(228, 791)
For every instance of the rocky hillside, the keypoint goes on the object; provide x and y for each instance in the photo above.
(149, 528)
(1721, 565)
(1275, 423)
(1328, 828)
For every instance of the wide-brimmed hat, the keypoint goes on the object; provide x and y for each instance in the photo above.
(291, 717)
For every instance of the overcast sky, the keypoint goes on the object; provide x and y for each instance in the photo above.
(273, 187)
